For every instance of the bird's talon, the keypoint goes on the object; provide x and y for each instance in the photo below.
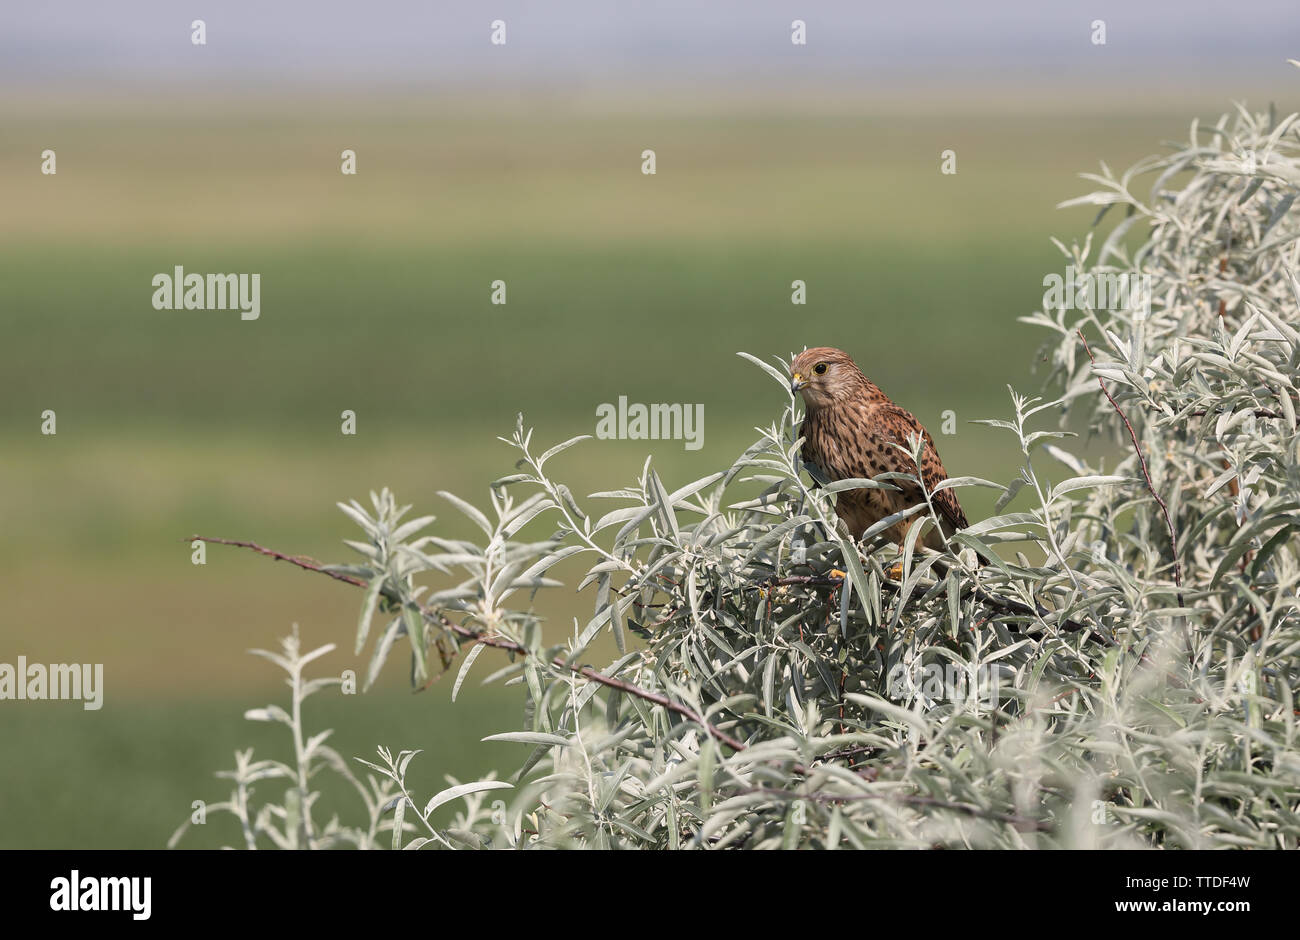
(896, 572)
(835, 574)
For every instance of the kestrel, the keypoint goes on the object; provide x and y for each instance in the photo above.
(850, 431)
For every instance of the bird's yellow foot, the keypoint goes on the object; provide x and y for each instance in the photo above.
(835, 574)
(896, 572)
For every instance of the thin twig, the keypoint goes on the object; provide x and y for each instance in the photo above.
(499, 642)
(1173, 536)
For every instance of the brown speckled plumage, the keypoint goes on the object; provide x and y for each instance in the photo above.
(849, 431)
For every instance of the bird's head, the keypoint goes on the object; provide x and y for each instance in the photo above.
(824, 375)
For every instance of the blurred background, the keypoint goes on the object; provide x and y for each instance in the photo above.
(477, 162)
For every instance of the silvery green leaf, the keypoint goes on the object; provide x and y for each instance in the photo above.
(382, 648)
(403, 760)
(891, 520)
(472, 655)
(993, 523)
(1063, 456)
(522, 518)
(359, 517)
(312, 686)
(415, 633)
(951, 482)
(368, 605)
(362, 548)
(690, 489)
(552, 559)
(1084, 482)
(269, 713)
(473, 514)
(399, 817)
(408, 529)
(317, 653)
(315, 741)
(464, 789)
(1012, 488)
(561, 447)
(664, 505)
(276, 658)
(783, 380)
(514, 478)
(529, 737)
(856, 483)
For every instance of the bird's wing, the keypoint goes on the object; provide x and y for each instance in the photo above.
(897, 425)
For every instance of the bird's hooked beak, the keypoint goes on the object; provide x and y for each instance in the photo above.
(797, 382)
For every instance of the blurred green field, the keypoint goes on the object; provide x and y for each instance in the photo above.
(375, 298)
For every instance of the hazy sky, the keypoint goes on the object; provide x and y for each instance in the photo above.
(584, 41)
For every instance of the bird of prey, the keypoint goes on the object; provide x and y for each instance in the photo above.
(850, 430)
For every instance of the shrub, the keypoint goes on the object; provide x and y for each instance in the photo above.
(1122, 675)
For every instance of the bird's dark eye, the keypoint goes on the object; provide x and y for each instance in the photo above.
(819, 369)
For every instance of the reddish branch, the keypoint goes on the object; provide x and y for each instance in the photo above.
(499, 642)
(1173, 536)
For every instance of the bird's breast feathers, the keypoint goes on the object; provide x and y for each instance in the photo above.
(845, 442)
